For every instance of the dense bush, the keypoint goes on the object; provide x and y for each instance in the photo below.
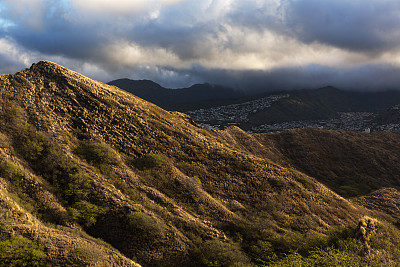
(217, 253)
(11, 171)
(14, 117)
(319, 257)
(36, 147)
(86, 213)
(19, 251)
(78, 187)
(149, 161)
(262, 252)
(98, 154)
(147, 227)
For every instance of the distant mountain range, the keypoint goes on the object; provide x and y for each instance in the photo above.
(219, 106)
(194, 97)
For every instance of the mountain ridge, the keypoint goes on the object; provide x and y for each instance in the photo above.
(89, 158)
(176, 99)
(310, 107)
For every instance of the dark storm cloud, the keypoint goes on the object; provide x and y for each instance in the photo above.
(255, 45)
(374, 77)
(52, 34)
(357, 25)
(190, 42)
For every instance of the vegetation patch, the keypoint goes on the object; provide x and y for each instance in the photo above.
(86, 213)
(149, 161)
(86, 256)
(98, 154)
(277, 182)
(19, 251)
(79, 187)
(11, 171)
(216, 253)
(147, 227)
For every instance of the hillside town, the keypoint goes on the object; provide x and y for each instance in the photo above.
(218, 118)
(352, 121)
(235, 114)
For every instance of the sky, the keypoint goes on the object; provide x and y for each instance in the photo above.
(259, 45)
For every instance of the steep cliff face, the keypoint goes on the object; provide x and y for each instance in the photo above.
(81, 160)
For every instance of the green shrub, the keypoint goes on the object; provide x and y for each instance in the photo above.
(86, 256)
(307, 184)
(277, 182)
(78, 187)
(97, 153)
(147, 227)
(20, 251)
(15, 118)
(11, 171)
(217, 253)
(262, 252)
(328, 257)
(86, 213)
(149, 161)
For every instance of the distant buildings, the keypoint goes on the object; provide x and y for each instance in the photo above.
(218, 118)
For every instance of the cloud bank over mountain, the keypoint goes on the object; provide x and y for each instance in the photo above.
(262, 45)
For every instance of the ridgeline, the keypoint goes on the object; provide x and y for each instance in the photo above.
(91, 175)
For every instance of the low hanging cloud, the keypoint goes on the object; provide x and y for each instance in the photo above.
(251, 45)
(374, 77)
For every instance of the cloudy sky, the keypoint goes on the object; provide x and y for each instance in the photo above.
(247, 44)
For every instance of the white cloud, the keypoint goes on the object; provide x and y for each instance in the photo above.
(130, 55)
(31, 12)
(107, 38)
(9, 49)
(120, 7)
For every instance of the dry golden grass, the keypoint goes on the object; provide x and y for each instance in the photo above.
(161, 188)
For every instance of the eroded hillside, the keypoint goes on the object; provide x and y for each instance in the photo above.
(82, 160)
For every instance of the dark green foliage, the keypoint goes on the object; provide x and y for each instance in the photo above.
(217, 253)
(97, 153)
(84, 256)
(397, 223)
(147, 227)
(319, 257)
(262, 252)
(36, 147)
(11, 171)
(86, 213)
(78, 187)
(14, 117)
(19, 251)
(277, 182)
(149, 161)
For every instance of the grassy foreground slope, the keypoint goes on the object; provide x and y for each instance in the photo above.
(93, 175)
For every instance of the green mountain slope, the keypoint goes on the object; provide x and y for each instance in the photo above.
(322, 104)
(93, 175)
